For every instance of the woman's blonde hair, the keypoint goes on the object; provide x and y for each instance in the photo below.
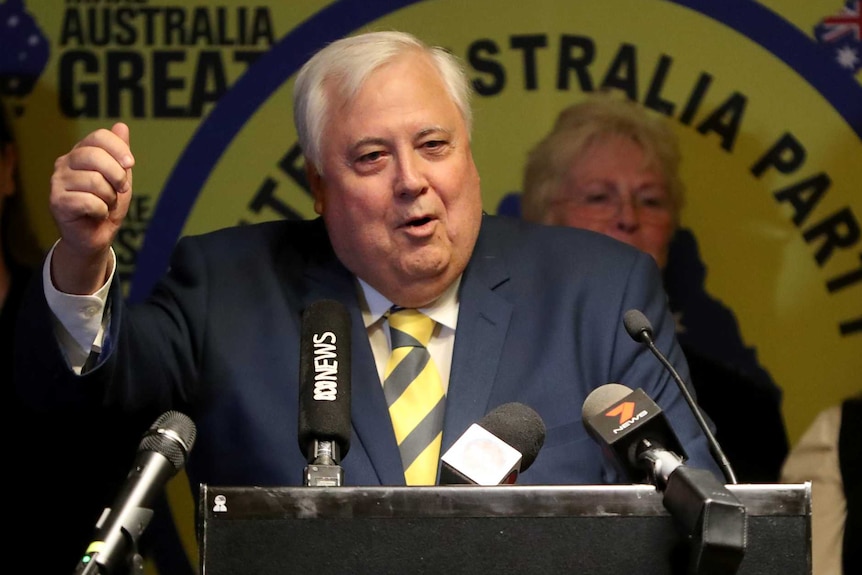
(579, 126)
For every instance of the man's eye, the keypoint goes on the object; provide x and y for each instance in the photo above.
(370, 157)
(434, 144)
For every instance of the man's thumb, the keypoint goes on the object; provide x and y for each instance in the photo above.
(122, 130)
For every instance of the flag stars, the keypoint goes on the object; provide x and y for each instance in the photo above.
(847, 57)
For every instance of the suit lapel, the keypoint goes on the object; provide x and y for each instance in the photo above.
(483, 320)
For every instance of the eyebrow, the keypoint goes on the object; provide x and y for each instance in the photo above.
(378, 141)
(368, 141)
(434, 129)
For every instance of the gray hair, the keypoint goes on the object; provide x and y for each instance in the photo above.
(578, 127)
(348, 62)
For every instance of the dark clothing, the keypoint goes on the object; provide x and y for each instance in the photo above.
(66, 463)
(8, 312)
(540, 322)
(747, 416)
(850, 462)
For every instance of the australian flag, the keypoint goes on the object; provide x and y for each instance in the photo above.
(841, 35)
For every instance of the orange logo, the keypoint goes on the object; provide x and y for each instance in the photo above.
(625, 410)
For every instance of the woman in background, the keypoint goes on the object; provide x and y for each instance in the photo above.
(611, 166)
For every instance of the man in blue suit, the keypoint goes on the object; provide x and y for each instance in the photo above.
(524, 313)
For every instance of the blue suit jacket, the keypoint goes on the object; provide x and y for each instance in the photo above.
(540, 323)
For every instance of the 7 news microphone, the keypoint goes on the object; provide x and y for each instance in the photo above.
(631, 426)
(639, 328)
(632, 429)
(162, 452)
(324, 392)
(495, 450)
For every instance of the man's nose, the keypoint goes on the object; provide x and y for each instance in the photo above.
(410, 179)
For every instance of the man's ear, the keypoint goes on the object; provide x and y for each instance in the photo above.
(315, 182)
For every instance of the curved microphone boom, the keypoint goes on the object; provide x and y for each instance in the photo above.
(494, 451)
(162, 452)
(324, 391)
(640, 329)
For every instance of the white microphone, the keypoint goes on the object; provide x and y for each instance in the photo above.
(495, 450)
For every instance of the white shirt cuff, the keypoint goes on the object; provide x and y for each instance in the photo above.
(79, 316)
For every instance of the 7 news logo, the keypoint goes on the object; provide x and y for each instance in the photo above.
(626, 413)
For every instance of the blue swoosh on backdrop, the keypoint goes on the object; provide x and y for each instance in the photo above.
(790, 45)
(340, 18)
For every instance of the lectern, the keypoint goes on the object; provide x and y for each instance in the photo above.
(584, 530)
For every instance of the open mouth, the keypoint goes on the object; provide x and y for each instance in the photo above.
(418, 222)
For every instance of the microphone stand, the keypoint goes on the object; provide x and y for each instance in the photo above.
(91, 564)
(712, 520)
(323, 469)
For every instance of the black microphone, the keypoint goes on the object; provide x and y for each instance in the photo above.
(495, 450)
(639, 328)
(633, 431)
(632, 428)
(324, 391)
(162, 452)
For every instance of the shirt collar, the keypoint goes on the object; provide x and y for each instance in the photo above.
(443, 310)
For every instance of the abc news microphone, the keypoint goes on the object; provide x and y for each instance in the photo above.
(632, 429)
(495, 450)
(324, 392)
(162, 452)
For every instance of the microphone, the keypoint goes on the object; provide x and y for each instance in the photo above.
(324, 391)
(495, 450)
(632, 428)
(162, 452)
(639, 328)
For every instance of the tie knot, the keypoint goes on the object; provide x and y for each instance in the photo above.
(410, 328)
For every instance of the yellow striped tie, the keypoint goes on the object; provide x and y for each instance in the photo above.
(414, 395)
